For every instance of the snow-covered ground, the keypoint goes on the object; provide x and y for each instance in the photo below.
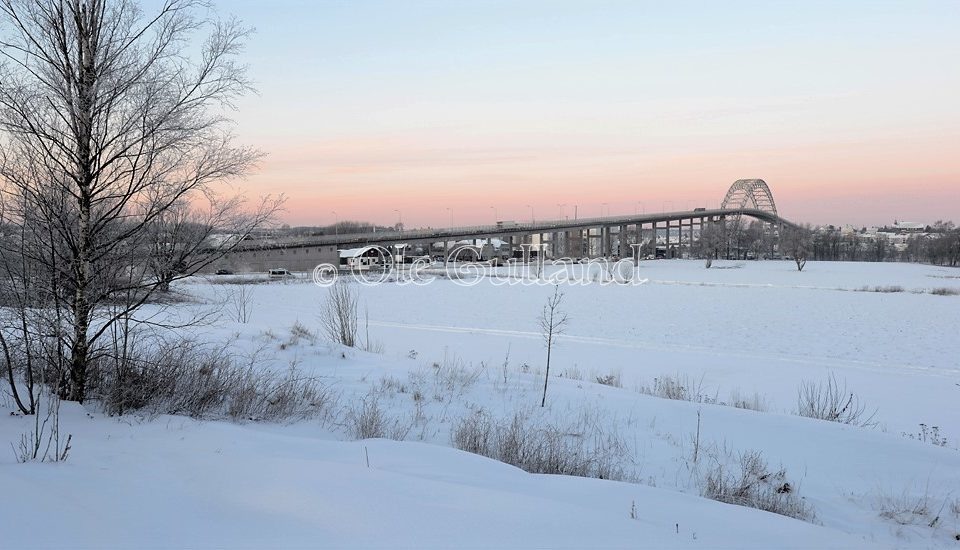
(749, 328)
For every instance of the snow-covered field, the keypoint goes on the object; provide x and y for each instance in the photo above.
(450, 352)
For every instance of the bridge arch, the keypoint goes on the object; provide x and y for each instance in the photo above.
(748, 193)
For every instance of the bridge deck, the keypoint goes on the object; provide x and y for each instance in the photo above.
(518, 228)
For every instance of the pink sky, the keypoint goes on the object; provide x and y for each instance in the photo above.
(861, 183)
(441, 111)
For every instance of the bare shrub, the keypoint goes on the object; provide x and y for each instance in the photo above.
(475, 433)
(183, 376)
(830, 400)
(945, 291)
(369, 345)
(338, 315)
(239, 303)
(300, 332)
(612, 379)
(368, 421)
(751, 483)
(679, 388)
(909, 507)
(454, 376)
(905, 509)
(882, 289)
(43, 443)
(572, 373)
(928, 434)
(687, 388)
(580, 448)
(754, 402)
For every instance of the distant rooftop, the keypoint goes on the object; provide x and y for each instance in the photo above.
(909, 226)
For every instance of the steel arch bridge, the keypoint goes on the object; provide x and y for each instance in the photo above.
(753, 193)
(577, 237)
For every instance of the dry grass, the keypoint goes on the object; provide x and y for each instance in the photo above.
(182, 376)
(578, 448)
(751, 483)
(679, 388)
(882, 289)
(945, 291)
(367, 420)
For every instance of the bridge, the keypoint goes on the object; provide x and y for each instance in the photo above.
(578, 237)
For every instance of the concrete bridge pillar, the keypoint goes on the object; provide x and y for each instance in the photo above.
(666, 237)
(605, 241)
(654, 237)
(623, 239)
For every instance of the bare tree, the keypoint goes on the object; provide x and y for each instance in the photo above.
(111, 126)
(339, 314)
(796, 243)
(552, 321)
(239, 302)
(712, 239)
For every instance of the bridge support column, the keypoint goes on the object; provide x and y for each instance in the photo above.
(641, 239)
(623, 238)
(669, 254)
(654, 238)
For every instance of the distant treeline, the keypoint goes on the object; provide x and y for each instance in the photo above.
(937, 244)
(343, 228)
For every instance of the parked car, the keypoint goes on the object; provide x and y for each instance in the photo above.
(279, 273)
(224, 272)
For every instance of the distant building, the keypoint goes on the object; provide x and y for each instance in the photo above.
(363, 257)
(909, 227)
